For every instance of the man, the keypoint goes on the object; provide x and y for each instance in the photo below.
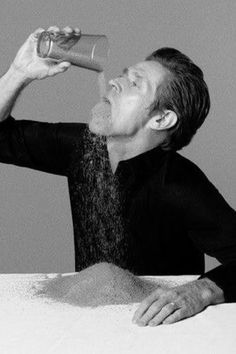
(135, 201)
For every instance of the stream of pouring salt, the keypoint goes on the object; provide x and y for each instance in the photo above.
(102, 84)
(105, 237)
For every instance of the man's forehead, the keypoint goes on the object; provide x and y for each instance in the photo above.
(149, 69)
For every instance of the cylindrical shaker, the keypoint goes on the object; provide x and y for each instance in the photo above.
(90, 52)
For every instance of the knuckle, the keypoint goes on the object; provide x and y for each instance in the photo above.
(145, 302)
(160, 293)
(148, 301)
(68, 29)
(156, 306)
(163, 296)
(40, 29)
(181, 302)
(175, 293)
(53, 28)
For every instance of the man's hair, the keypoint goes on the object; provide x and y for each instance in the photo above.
(183, 91)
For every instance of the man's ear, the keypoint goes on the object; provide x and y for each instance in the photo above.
(163, 121)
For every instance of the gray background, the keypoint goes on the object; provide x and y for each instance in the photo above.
(35, 220)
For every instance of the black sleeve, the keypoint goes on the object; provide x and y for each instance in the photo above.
(220, 242)
(42, 146)
(211, 224)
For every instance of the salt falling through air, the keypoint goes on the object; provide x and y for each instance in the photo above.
(102, 109)
(102, 84)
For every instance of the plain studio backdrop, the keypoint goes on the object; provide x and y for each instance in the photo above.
(36, 228)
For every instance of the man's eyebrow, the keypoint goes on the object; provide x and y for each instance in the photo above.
(136, 71)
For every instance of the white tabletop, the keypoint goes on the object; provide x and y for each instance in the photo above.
(29, 324)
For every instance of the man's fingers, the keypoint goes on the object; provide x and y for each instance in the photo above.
(77, 31)
(68, 30)
(175, 317)
(154, 309)
(145, 304)
(53, 29)
(66, 37)
(169, 306)
(59, 68)
(36, 33)
(64, 64)
(164, 313)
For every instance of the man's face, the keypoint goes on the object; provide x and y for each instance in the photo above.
(126, 110)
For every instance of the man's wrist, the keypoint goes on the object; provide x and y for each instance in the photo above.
(17, 76)
(211, 294)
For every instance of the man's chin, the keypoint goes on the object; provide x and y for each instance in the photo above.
(100, 118)
(97, 128)
(93, 129)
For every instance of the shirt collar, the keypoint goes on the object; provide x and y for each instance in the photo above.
(144, 164)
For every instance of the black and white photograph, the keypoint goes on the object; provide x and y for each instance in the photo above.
(117, 177)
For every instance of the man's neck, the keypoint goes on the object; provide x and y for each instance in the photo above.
(124, 148)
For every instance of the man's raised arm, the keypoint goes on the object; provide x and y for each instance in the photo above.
(40, 145)
(28, 66)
